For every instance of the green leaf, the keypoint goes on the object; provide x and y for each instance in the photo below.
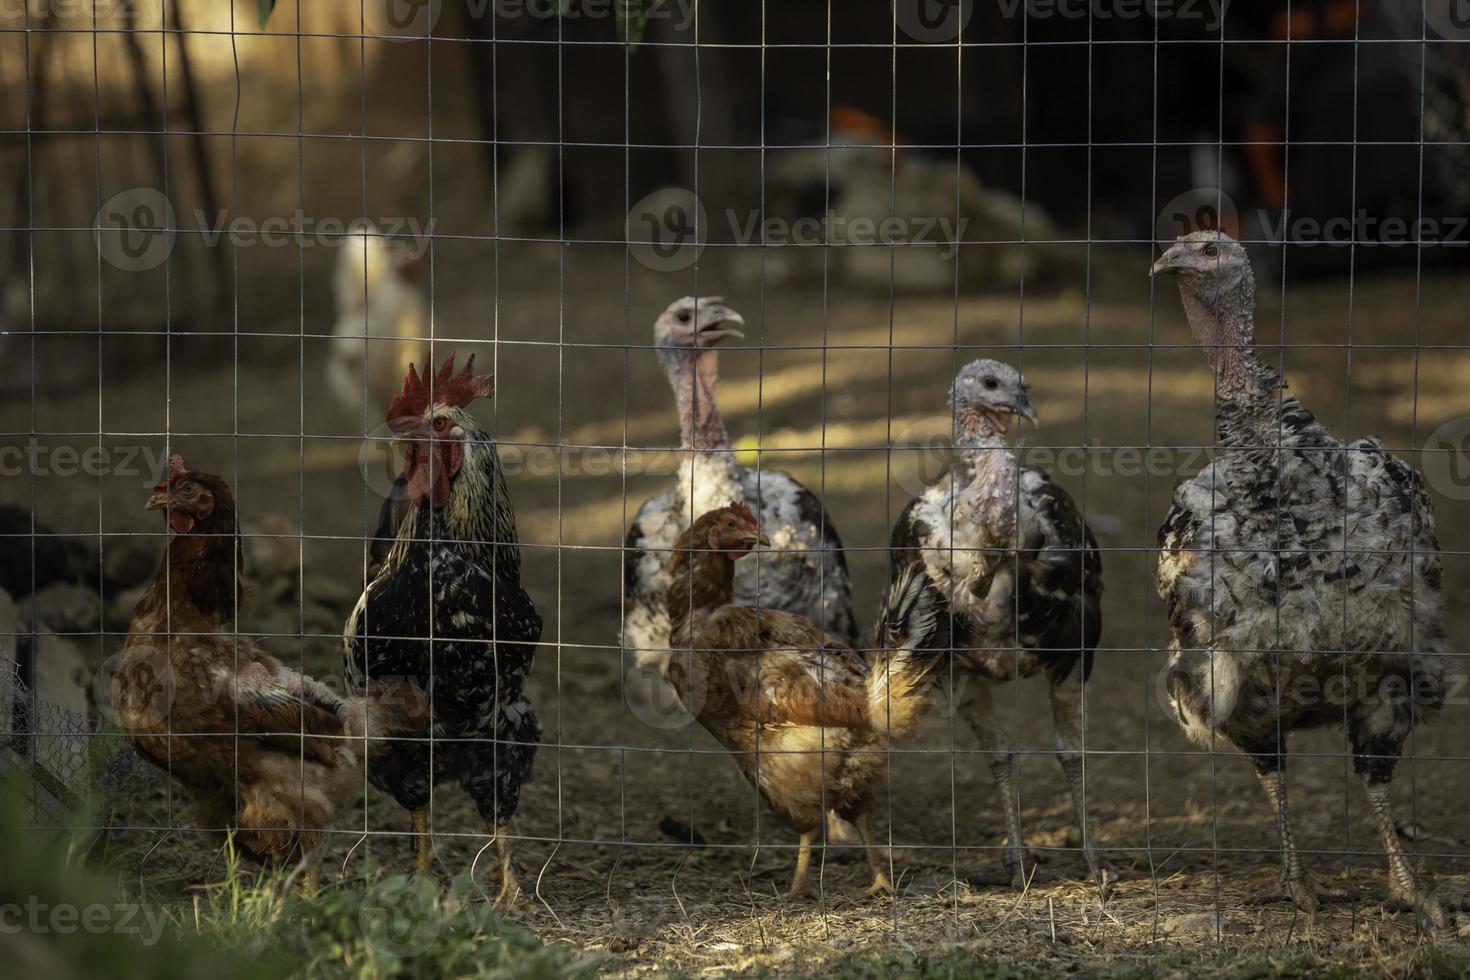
(265, 7)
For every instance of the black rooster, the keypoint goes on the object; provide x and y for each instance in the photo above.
(446, 611)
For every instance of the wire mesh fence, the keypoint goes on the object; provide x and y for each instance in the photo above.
(823, 260)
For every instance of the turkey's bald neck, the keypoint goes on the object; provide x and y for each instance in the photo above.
(693, 375)
(1222, 319)
(701, 579)
(991, 465)
(1248, 393)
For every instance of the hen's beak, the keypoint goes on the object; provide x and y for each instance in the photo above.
(159, 500)
(1167, 263)
(754, 538)
(716, 323)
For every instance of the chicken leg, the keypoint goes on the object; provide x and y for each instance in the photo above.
(510, 897)
(881, 885)
(423, 865)
(803, 863)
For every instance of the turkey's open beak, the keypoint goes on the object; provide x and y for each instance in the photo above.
(716, 322)
(1167, 263)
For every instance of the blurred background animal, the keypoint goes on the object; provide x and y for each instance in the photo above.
(382, 318)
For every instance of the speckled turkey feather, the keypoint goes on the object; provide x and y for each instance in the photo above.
(1288, 551)
(804, 572)
(1020, 568)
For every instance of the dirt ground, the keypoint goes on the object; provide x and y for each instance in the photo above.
(619, 786)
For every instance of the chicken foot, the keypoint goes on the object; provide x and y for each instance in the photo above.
(881, 885)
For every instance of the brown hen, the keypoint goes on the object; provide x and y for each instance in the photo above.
(808, 721)
(264, 750)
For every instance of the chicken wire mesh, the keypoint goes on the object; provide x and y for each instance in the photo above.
(232, 228)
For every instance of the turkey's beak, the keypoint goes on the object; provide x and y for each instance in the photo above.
(1167, 263)
(1027, 411)
(716, 322)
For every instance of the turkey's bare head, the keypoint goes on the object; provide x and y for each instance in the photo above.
(1218, 290)
(692, 323)
(985, 395)
(684, 335)
(1206, 262)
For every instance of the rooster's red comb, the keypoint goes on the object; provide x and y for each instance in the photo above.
(176, 469)
(743, 512)
(446, 388)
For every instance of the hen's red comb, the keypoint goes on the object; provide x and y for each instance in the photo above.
(446, 388)
(743, 512)
(176, 469)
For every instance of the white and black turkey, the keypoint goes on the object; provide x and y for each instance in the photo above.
(1023, 576)
(803, 571)
(1302, 575)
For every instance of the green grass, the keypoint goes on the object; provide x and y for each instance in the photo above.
(61, 917)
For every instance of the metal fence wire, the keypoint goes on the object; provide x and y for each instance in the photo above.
(901, 229)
